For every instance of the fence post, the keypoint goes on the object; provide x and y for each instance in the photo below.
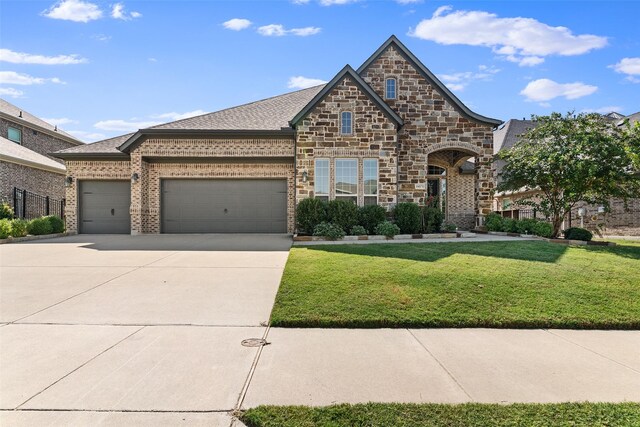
(15, 201)
(534, 213)
(47, 202)
(24, 203)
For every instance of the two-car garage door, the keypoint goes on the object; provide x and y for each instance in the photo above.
(224, 206)
(190, 206)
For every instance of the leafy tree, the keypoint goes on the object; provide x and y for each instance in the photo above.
(571, 159)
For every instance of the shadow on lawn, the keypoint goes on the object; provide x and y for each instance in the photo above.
(430, 252)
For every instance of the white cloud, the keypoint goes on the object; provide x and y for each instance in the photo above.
(179, 116)
(101, 37)
(277, 30)
(458, 81)
(603, 110)
(630, 67)
(74, 10)
(152, 59)
(408, 1)
(236, 24)
(60, 122)
(118, 12)
(300, 1)
(87, 136)
(124, 125)
(13, 78)
(545, 90)
(523, 40)
(9, 91)
(300, 82)
(336, 2)
(8, 55)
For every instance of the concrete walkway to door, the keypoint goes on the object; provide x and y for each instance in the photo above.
(147, 330)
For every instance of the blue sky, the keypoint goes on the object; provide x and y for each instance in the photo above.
(100, 69)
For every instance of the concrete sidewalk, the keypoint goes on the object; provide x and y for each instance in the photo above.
(326, 366)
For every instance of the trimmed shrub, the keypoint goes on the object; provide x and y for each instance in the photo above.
(6, 211)
(408, 217)
(433, 218)
(343, 213)
(5, 228)
(19, 227)
(526, 226)
(543, 229)
(57, 224)
(449, 228)
(39, 226)
(510, 225)
(309, 213)
(387, 229)
(329, 230)
(577, 233)
(358, 230)
(370, 216)
(494, 222)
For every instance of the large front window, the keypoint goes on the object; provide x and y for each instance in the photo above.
(347, 179)
(370, 179)
(322, 179)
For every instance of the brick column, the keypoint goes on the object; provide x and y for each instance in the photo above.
(139, 208)
(484, 183)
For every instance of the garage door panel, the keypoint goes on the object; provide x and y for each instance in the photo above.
(104, 207)
(224, 206)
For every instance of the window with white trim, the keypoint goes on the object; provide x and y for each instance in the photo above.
(346, 185)
(14, 134)
(370, 181)
(346, 123)
(321, 180)
(390, 88)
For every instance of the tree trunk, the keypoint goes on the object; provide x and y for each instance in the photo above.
(557, 224)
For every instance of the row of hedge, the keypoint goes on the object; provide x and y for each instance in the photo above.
(38, 226)
(495, 222)
(337, 218)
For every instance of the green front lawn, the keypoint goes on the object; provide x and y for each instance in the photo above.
(466, 415)
(526, 284)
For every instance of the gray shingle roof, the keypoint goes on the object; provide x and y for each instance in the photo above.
(27, 118)
(268, 114)
(107, 146)
(506, 136)
(16, 153)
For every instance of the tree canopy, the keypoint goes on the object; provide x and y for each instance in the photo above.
(573, 158)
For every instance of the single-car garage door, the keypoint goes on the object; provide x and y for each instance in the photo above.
(224, 206)
(104, 207)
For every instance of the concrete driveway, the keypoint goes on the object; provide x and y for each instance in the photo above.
(122, 323)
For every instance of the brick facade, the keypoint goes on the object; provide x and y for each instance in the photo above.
(34, 140)
(34, 180)
(433, 125)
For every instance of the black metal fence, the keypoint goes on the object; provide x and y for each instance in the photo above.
(29, 205)
(522, 214)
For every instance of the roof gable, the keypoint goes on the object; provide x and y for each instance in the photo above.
(347, 71)
(431, 78)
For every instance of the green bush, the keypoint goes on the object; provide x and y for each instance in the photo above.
(526, 226)
(329, 230)
(57, 224)
(494, 222)
(449, 228)
(387, 229)
(19, 227)
(433, 218)
(543, 229)
(39, 226)
(358, 230)
(309, 213)
(510, 225)
(343, 213)
(370, 216)
(6, 211)
(5, 228)
(408, 217)
(577, 233)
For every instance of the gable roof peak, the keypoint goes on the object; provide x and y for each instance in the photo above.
(429, 76)
(348, 71)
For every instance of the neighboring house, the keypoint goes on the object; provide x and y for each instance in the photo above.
(25, 144)
(389, 131)
(618, 221)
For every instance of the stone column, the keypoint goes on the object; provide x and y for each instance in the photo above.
(484, 184)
